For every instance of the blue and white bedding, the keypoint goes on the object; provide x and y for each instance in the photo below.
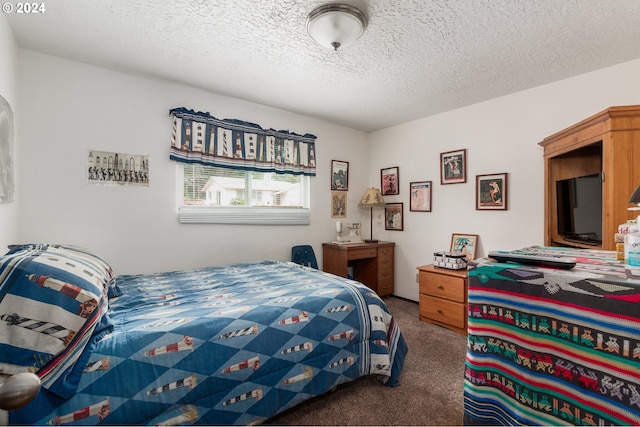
(236, 344)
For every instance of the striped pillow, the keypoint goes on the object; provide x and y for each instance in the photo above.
(53, 305)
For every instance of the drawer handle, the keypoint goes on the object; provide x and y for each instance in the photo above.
(441, 287)
(439, 311)
(386, 287)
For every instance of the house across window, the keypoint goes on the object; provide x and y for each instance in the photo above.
(215, 186)
(230, 196)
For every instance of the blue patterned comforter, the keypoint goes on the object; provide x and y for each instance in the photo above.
(224, 345)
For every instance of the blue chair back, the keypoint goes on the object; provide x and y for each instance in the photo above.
(304, 255)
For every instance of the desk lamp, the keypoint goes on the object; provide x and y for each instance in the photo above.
(372, 198)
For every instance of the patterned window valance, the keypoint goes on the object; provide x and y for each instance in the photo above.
(201, 138)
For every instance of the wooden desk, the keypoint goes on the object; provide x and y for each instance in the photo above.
(372, 263)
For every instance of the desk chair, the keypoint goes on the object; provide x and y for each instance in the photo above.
(304, 255)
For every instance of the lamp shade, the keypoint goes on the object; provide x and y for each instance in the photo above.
(635, 197)
(372, 198)
(336, 25)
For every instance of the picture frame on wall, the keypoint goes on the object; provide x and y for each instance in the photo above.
(453, 167)
(491, 191)
(390, 181)
(338, 204)
(117, 168)
(464, 243)
(339, 175)
(7, 174)
(420, 196)
(394, 216)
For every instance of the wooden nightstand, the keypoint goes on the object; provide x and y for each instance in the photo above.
(372, 263)
(443, 297)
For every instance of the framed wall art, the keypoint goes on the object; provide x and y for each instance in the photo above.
(453, 167)
(465, 243)
(339, 175)
(390, 181)
(420, 196)
(338, 204)
(7, 180)
(394, 216)
(491, 192)
(115, 168)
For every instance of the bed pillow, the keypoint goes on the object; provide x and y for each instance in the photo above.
(95, 263)
(53, 305)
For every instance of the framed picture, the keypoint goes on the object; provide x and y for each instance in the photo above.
(339, 175)
(390, 181)
(338, 204)
(420, 196)
(491, 192)
(393, 216)
(465, 243)
(7, 181)
(453, 167)
(100, 170)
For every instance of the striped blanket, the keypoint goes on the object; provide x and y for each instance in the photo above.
(553, 347)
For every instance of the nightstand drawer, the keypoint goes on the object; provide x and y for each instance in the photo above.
(442, 286)
(441, 310)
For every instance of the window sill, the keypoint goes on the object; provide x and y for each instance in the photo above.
(243, 215)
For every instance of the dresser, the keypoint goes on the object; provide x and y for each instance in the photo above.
(370, 263)
(443, 297)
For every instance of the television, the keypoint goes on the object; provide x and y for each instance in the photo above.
(579, 204)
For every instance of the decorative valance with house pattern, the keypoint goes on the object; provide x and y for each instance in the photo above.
(201, 138)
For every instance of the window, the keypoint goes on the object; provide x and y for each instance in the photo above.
(212, 194)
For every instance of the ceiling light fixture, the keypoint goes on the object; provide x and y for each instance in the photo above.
(336, 25)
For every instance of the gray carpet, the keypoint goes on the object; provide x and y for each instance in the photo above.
(430, 392)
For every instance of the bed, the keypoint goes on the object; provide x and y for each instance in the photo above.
(235, 344)
(552, 346)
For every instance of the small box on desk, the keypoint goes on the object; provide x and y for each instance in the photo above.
(450, 260)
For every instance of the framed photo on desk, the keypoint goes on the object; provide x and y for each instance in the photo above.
(465, 243)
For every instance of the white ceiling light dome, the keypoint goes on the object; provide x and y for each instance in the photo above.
(336, 25)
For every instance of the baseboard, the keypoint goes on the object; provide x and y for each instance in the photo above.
(403, 298)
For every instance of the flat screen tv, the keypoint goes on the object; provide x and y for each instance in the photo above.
(579, 202)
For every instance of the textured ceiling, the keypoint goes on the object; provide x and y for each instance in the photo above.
(416, 58)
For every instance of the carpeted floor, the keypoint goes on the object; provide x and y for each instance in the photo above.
(431, 383)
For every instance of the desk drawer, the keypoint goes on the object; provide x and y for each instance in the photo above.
(441, 310)
(385, 273)
(362, 253)
(386, 252)
(385, 260)
(442, 286)
(385, 287)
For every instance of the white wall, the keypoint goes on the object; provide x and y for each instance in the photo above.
(9, 91)
(69, 108)
(500, 135)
